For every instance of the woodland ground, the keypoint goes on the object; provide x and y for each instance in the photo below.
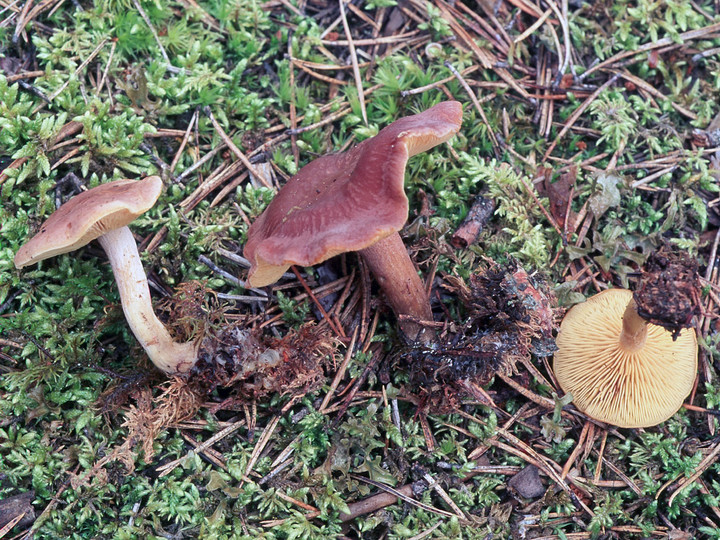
(591, 127)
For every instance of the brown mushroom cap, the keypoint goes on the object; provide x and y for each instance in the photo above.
(89, 215)
(347, 201)
(619, 384)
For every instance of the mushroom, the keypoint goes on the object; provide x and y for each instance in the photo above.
(355, 201)
(619, 368)
(104, 212)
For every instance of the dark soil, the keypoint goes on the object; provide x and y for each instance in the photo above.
(668, 293)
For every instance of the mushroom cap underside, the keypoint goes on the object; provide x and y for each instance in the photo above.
(347, 201)
(626, 388)
(88, 215)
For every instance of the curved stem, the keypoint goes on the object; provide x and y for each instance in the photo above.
(165, 353)
(395, 272)
(634, 328)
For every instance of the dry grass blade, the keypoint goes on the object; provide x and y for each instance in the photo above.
(168, 467)
(340, 373)
(534, 26)
(372, 41)
(578, 112)
(339, 331)
(629, 483)
(644, 85)
(10, 524)
(260, 445)
(701, 468)
(206, 18)
(664, 42)
(213, 456)
(537, 459)
(444, 496)
(185, 139)
(487, 60)
(354, 60)
(576, 451)
(154, 32)
(21, 20)
(478, 107)
(235, 150)
(79, 69)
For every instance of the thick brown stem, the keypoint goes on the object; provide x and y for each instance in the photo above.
(634, 328)
(390, 263)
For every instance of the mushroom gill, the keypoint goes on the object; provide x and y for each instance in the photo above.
(628, 386)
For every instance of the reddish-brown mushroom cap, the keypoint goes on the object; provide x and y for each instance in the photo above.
(344, 202)
(103, 213)
(89, 215)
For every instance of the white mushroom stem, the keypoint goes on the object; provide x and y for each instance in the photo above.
(634, 328)
(168, 355)
(390, 263)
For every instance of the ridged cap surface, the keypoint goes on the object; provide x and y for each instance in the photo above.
(347, 201)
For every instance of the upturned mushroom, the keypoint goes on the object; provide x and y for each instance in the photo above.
(355, 201)
(619, 368)
(103, 213)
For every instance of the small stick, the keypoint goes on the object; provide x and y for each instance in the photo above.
(376, 502)
(400, 495)
(24, 75)
(479, 214)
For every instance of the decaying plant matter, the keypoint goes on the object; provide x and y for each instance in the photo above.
(668, 293)
(253, 365)
(509, 317)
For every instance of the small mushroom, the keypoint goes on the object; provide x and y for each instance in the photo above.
(355, 201)
(619, 368)
(104, 212)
